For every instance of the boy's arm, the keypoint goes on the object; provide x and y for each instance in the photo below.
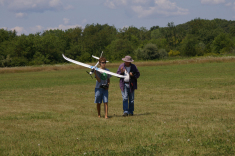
(108, 83)
(96, 76)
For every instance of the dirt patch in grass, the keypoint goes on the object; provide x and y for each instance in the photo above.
(110, 65)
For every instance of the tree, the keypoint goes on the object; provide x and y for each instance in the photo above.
(222, 43)
(118, 49)
(154, 28)
(188, 46)
(156, 34)
(97, 37)
(232, 31)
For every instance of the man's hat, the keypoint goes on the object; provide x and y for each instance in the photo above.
(127, 59)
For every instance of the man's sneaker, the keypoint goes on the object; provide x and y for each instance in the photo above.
(130, 114)
(125, 114)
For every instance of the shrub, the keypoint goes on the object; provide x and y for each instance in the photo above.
(139, 54)
(150, 52)
(162, 53)
(174, 53)
(39, 59)
(19, 61)
(200, 49)
(85, 57)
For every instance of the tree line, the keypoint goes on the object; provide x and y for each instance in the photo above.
(197, 37)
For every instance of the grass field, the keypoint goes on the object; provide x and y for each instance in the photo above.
(180, 109)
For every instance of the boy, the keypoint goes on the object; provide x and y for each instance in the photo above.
(101, 88)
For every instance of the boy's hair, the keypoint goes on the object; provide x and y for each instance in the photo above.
(102, 59)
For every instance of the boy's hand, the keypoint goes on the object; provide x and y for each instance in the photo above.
(107, 88)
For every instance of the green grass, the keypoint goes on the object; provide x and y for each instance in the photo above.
(181, 109)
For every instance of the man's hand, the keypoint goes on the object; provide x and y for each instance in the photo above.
(122, 70)
(131, 74)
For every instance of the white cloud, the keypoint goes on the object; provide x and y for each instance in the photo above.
(115, 3)
(69, 7)
(64, 27)
(212, 1)
(36, 29)
(5, 28)
(34, 5)
(228, 4)
(109, 4)
(139, 1)
(84, 21)
(144, 8)
(20, 15)
(19, 30)
(55, 3)
(66, 20)
(1, 2)
(125, 27)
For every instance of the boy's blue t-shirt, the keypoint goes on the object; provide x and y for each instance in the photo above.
(103, 78)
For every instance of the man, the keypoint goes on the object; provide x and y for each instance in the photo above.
(128, 85)
(101, 88)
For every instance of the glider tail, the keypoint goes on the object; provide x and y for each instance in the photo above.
(89, 74)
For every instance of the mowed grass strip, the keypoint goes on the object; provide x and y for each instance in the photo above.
(180, 109)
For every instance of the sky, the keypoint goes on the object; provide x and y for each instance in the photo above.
(32, 16)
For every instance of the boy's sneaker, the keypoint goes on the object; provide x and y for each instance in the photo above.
(125, 114)
(130, 114)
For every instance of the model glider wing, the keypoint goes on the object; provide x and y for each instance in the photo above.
(97, 58)
(76, 62)
(92, 67)
(110, 73)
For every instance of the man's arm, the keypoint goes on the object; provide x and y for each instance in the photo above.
(136, 71)
(121, 70)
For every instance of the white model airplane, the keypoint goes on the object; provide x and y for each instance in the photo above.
(98, 57)
(93, 67)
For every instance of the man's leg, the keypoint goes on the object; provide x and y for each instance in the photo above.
(131, 102)
(125, 100)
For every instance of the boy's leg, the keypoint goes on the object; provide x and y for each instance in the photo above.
(105, 100)
(98, 100)
(106, 110)
(98, 109)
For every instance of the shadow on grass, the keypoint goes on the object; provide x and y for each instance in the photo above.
(143, 114)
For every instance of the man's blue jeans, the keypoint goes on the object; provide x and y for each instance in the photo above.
(126, 94)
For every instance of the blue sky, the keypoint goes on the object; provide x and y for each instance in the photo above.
(31, 16)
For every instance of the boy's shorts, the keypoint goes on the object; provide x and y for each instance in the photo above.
(101, 94)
